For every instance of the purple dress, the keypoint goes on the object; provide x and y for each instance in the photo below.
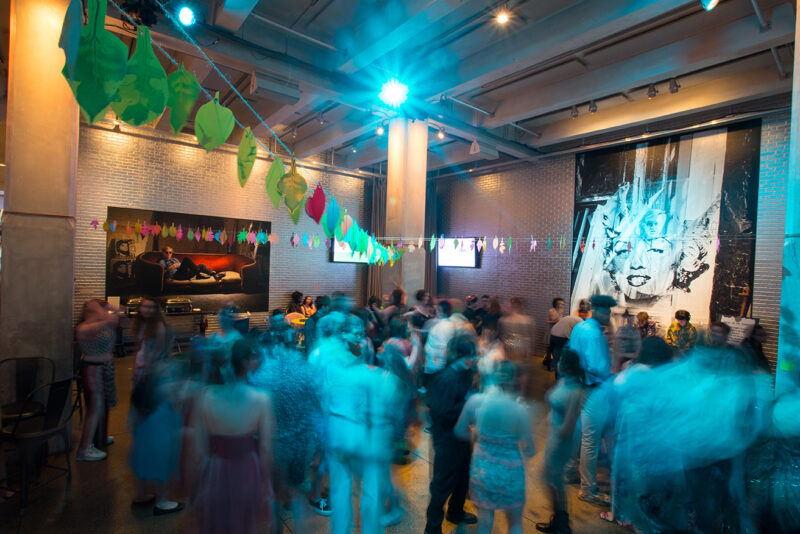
(234, 493)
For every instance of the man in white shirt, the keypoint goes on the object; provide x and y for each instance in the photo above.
(559, 336)
(439, 336)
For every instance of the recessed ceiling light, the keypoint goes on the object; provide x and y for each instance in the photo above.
(440, 133)
(380, 130)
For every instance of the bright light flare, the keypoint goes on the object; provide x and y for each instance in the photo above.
(708, 5)
(394, 93)
(186, 16)
(504, 17)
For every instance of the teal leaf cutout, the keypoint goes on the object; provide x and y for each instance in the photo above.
(183, 91)
(142, 96)
(71, 37)
(275, 173)
(213, 124)
(248, 150)
(100, 65)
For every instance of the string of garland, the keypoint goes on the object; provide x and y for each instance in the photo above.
(138, 90)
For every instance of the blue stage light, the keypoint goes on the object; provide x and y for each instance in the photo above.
(394, 93)
(708, 5)
(186, 16)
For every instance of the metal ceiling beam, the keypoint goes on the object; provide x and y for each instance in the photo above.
(756, 78)
(565, 32)
(452, 154)
(231, 14)
(715, 46)
(341, 132)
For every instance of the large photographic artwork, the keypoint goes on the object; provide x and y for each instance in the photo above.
(213, 261)
(669, 224)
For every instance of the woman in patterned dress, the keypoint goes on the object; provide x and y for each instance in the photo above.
(503, 441)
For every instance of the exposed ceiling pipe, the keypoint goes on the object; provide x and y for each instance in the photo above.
(470, 106)
(761, 20)
(778, 62)
(293, 33)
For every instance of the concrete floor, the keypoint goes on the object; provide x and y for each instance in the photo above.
(99, 502)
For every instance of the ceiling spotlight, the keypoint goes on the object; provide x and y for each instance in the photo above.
(294, 133)
(186, 16)
(322, 120)
(354, 149)
(380, 130)
(708, 5)
(651, 91)
(502, 17)
(592, 106)
(394, 93)
(574, 112)
(674, 86)
(440, 133)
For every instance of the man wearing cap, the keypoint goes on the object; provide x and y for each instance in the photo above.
(682, 334)
(589, 341)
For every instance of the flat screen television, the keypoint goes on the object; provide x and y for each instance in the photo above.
(464, 255)
(341, 253)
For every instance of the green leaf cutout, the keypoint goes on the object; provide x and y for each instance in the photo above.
(100, 65)
(213, 124)
(293, 188)
(248, 150)
(71, 37)
(142, 96)
(183, 91)
(276, 172)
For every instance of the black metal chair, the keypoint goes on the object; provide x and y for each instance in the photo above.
(29, 434)
(26, 374)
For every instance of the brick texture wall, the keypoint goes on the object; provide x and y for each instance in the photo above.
(773, 174)
(536, 200)
(156, 171)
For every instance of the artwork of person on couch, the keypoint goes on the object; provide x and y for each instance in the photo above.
(186, 268)
(167, 272)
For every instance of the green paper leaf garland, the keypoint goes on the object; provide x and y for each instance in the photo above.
(100, 65)
(142, 97)
(248, 150)
(275, 173)
(293, 187)
(183, 92)
(213, 124)
(71, 37)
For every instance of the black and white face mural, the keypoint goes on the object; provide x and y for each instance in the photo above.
(651, 220)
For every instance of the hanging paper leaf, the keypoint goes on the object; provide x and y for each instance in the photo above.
(71, 37)
(251, 237)
(107, 226)
(95, 223)
(172, 230)
(509, 242)
(218, 237)
(593, 244)
(246, 157)
(441, 242)
(138, 228)
(223, 237)
(305, 239)
(113, 226)
(419, 243)
(197, 234)
(327, 243)
(242, 237)
(315, 207)
(180, 233)
(261, 237)
(142, 96)
(316, 241)
(155, 230)
(347, 222)
(535, 243)
(531, 250)
(479, 244)
(275, 173)
(183, 90)
(363, 242)
(433, 243)
(548, 241)
(331, 218)
(231, 237)
(455, 243)
(213, 124)
(472, 244)
(502, 247)
(293, 187)
(99, 69)
(191, 234)
(273, 239)
(211, 235)
(495, 243)
(583, 245)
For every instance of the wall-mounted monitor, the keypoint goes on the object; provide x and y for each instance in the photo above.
(463, 254)
(341, 253)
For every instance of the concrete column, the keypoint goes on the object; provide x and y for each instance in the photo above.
(36, 297)
(788, 372)
(405, 197)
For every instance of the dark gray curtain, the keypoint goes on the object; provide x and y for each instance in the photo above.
(431, 228)
(378, 227)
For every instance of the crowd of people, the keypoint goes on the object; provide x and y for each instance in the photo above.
(244, 423)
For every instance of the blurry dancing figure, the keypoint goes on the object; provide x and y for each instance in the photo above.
(503, 440)
(233, 433)
(155, 421)
(447, 392)
(563, 436)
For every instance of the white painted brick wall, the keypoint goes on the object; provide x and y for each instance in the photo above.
(153, 171)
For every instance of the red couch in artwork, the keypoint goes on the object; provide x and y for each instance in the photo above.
(241, 275)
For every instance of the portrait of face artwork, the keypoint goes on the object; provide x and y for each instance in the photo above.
(669, 223)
